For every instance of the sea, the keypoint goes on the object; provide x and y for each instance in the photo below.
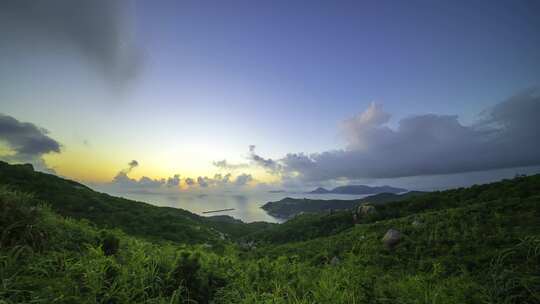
(247, 206)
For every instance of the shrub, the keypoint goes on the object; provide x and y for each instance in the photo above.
(110, 243)
(21, 223)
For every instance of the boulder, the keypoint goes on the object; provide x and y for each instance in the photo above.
(392, 238)
(366, 209)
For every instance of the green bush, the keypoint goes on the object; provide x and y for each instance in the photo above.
(110, 243)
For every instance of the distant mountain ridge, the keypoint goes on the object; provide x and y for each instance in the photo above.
(358, 189)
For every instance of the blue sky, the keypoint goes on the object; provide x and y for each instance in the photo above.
(267, 66)
(214, 77)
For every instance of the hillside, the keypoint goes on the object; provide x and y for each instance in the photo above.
(72, 199)
(470, 245)
(289, 207)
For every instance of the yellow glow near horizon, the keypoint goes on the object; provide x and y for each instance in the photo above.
(83, 166)
(87, 165)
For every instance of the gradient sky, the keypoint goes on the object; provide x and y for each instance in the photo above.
(211, 78)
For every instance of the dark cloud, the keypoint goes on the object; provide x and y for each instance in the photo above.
(173, 181)
(26, 139)
(506, 136)
(267, 163)
(132, 164)
(223, 164)
(124, 172)
(217, 180)
(203, 181)
(243, 179)
(26, 142)
(189, 181)
(123, 181)
(99, 29)
(222, 179)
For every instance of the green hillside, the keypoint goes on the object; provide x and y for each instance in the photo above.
(72, 199)
(473, 245)
(290, 207)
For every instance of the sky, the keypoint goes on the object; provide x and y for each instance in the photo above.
(271, 94)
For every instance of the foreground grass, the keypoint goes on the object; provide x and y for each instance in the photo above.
(477, 245)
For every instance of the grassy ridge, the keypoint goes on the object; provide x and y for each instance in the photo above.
(45, 258)
(309, 226)
(69, 198)
(473, 245)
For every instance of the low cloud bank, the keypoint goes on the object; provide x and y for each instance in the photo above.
(505, 136)
(123, 182)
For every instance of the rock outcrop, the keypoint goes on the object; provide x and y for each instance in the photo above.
(392, 238)
(362, 211)
(366, 209)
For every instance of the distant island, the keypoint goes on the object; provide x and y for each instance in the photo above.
(290, 207)
(358, 189)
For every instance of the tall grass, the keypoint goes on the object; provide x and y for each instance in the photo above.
(482, 252)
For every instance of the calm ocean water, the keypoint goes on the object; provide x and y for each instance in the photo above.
(247, 205)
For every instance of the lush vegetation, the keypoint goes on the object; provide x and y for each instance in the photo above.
(290, 207)
(72, 199)
(474, 245)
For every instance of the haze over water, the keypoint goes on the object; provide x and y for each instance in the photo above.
(247, 205)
